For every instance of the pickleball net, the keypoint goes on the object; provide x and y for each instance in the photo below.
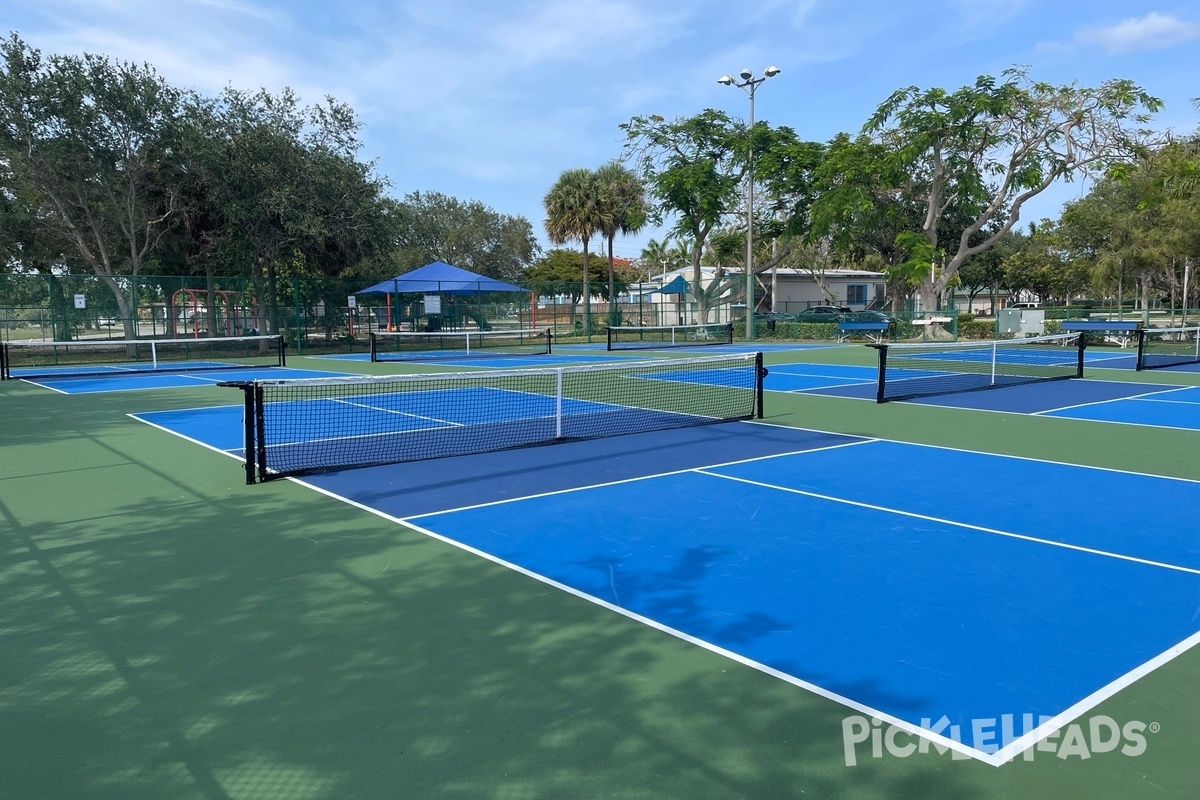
(1167, 347)
(422, 346)
(907, 371)
(298, 426)
(660, 337)
(31, 360)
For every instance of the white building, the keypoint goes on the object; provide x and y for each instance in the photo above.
(794, 290)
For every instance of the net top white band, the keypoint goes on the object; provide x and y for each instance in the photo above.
(716, 362)
(500, 334)
(1058, 338)
(644, 328)
(156, 342)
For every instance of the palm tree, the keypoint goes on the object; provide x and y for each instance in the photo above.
(622, 210)
(573, 215)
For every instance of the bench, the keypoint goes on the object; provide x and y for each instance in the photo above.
(930, 321)
(875, 331)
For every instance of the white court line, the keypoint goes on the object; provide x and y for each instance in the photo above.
(1167, 390)
(356, 436)
(1058, 721)
(186, 438)
(370, 407)
(1169, 402)
(811, 389)
(1033, 459)
(953, 523)
(639, 478)
(44, 386)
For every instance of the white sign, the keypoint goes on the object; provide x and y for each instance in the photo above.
(351, 301)
(433, 304)
(80, 301)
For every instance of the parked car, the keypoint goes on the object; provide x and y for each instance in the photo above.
(842, 314)
(822, 314)
(871, 316)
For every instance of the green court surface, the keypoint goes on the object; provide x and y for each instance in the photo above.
(168, 632)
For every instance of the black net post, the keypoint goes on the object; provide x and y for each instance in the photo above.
(251, 411)
(3, 361)
(1141, 349)
(1082, 345)
(881, 381)
(374, 346)
(249, 431)
(760, 373)
(256, 447)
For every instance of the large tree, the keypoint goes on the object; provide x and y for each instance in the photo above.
(573, 214)
(693, 169)
(94, 142)
(696, 170)
(622, 211)
(999, 143)
(289, 196)
(432, 226)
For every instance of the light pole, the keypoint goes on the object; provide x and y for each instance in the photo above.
(749, 83)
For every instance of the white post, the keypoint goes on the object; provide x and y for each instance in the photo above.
(1187, 265)
(994, 345)
(558, 404)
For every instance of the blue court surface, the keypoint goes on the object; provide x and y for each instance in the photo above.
(136, 381)
(829, 561)
(1149, 404)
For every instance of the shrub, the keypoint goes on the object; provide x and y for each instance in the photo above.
(976, 329)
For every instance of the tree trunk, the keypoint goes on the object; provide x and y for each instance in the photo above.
(613, 318)
(587, 294)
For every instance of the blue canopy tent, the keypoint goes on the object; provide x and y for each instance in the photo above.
(440, 278)
(677, 285)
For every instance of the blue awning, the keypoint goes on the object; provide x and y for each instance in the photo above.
(440, 278)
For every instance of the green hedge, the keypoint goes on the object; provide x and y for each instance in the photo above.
(977, 329)
(794, 331)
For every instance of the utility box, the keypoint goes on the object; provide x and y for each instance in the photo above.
(1008, 321)
(1033, 322)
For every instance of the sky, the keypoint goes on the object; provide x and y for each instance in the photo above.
(492, 101)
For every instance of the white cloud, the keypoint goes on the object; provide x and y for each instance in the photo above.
(1152, 32)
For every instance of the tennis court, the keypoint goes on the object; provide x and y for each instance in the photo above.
(755, 608)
